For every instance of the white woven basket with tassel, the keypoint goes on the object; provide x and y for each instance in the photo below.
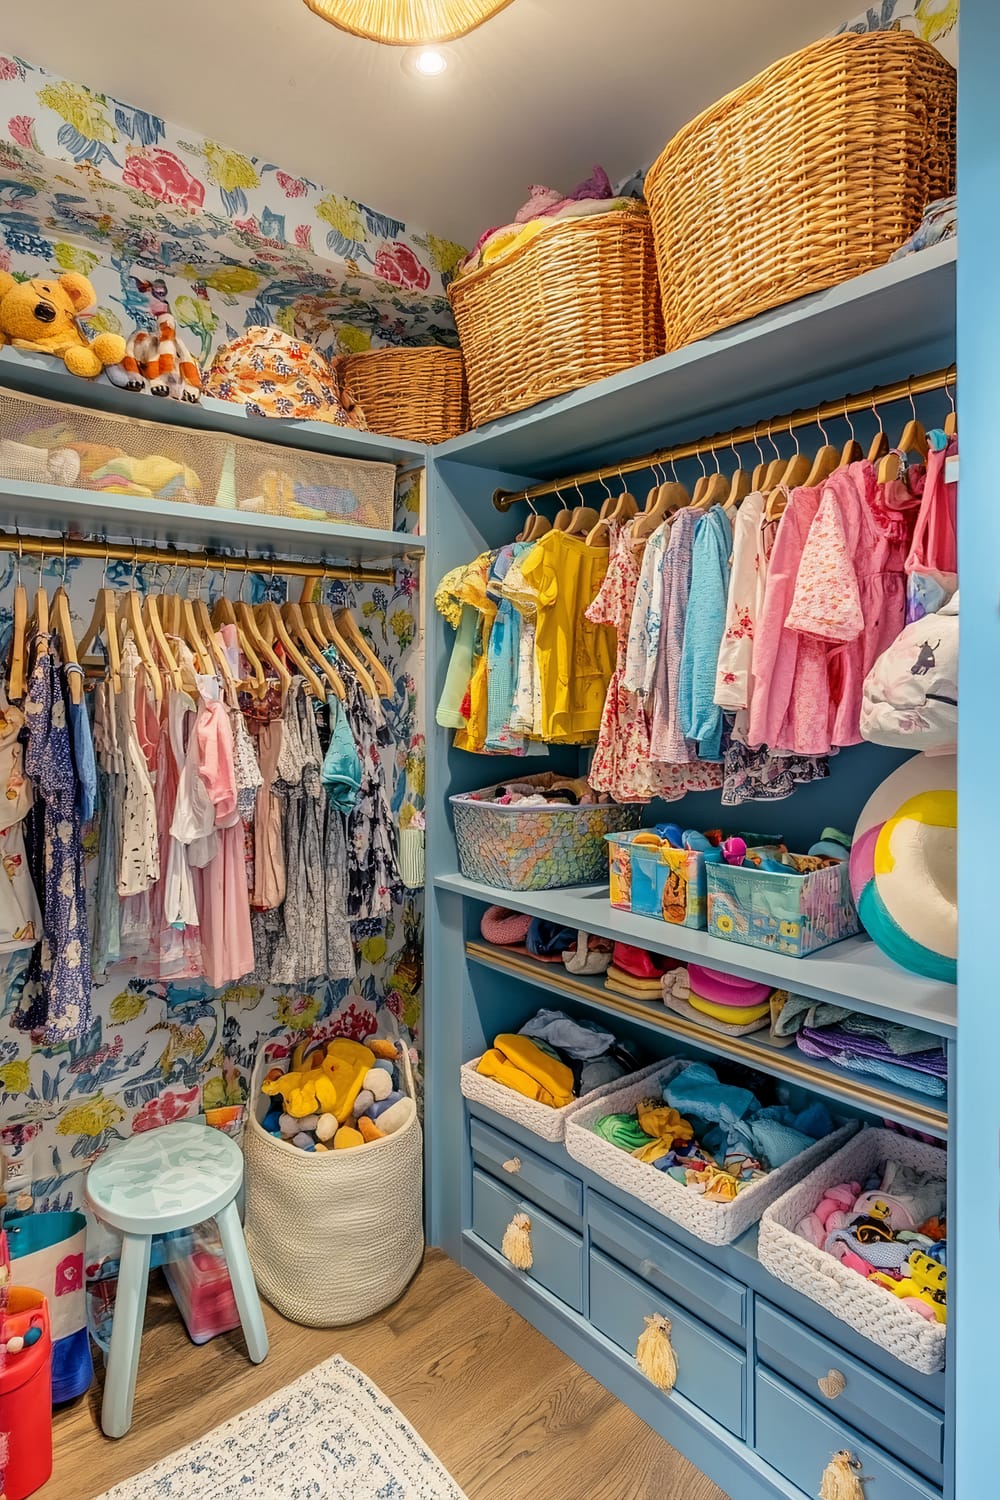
(869, 1309)
(335, 1236)
(715, 1223)
(540, 1119)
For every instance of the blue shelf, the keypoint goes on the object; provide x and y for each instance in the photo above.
(51, 507)
(853, 972)
(907, 1106)
(896, 321)
(39, 375)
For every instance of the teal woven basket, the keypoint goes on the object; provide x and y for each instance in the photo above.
(535, 848)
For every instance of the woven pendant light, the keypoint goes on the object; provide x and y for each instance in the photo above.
(407, 23)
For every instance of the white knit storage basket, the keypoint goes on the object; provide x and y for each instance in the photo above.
(334, 1236)
(540, 1119)
(715, 1223)
(868, 1308)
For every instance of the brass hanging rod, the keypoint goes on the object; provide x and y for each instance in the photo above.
(56, 547)
(919, 385)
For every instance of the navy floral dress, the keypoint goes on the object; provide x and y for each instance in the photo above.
(55, 1001)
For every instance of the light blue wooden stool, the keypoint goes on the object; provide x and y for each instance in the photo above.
(161, 1180)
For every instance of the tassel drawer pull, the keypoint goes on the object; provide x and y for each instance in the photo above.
(654, 1353)
(516, 1245)
(832, 1385)
(842, 1478)
(513, 1165)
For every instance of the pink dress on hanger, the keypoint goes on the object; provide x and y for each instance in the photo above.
(221, 884)
(850, 592)
(932, 564)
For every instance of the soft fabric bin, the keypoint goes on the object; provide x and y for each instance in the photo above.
(47, 1251)
(716, 1223)
(869, 1309)
(540, 1119)
(527, 848)
(790, 914)
(333, 1237)
(665, 883)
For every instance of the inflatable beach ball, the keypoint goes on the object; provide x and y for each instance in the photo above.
(904, 866)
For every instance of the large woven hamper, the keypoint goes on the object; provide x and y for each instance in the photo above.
(577, 303)
(815, 171)
(409, 393)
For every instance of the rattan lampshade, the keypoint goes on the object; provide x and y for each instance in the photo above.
(407, 23)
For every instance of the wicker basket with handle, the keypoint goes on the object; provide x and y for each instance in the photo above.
(578, 302)
(814, 171)
(417, 394)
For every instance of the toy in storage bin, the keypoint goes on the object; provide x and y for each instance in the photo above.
(665, 883)
(792, 914)
(531, 848)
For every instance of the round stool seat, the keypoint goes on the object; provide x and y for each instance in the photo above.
(164, 1179)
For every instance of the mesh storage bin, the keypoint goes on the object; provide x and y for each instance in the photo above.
(46, 442)
(535, 848)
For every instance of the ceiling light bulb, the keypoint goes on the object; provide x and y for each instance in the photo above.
(430, 63)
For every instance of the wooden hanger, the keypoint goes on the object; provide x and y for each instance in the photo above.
(274, 629)
(851, 451)
(715, 490)
(40, 608)
(261, 635)
(739, 485)
(130, 618)
(64, 630)
(951, 420)
(564, 516)
(348, 627)
(18, 667)
(879, 446)
(827, 459)
(323, 624)
(614, 511)
(798, 466)
(913, 440)
(154, 625)
(298, 629)
(224, 613)
(665, 501)
(215, 648)
(103, 625)
(775, 468)
(776, 502)
(760, 469)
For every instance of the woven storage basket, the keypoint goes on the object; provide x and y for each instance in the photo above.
(417, 394)
(577, 303)
(540, 1119)
(867, 1308)
(715, 1223)
(815, 171)
(337, 1236)
(535, 848)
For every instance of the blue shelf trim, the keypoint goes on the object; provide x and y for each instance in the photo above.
(853, 972)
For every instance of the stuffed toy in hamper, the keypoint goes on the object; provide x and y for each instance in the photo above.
(334, 1236)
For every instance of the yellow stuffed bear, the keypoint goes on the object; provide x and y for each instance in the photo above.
(41, 315)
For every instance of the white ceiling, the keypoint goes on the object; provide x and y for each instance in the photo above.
(539, 94)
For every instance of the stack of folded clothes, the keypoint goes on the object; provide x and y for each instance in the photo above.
(580, 952)
(717, 1001)
(636, 973)
(555, 1059)
(896, 1053)
(714, 1136)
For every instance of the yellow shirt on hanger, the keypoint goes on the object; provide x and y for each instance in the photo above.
(575, 658)
(472, 591)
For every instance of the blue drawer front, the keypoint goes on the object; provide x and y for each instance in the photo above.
(558, 1253)
(710, 1295)
(710, 1372)
(527, 1173)
(912, 1432)
(798, 1439)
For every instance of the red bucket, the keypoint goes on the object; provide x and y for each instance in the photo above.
(26, 1396)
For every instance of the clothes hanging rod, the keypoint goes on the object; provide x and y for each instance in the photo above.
(33, 546)
(918, 385)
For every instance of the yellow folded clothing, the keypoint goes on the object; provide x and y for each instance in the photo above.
(733, 1015)
(517, 1063)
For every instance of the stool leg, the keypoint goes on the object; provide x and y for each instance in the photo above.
(244, 1286)
(126, 1335)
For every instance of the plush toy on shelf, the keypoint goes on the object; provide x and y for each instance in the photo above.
(158, 362)
(42, 315)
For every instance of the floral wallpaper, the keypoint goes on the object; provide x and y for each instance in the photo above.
(934, 20)
(159, 1052)
(92, 184)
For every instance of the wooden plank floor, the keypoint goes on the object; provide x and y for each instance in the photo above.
(506, 1412)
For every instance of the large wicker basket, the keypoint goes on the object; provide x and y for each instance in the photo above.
(815, 171)
(577, 303)
(409, 393)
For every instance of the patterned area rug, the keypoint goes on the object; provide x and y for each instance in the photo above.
(332, 1434)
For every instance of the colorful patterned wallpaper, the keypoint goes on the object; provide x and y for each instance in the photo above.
(92, 184)
(934, 20)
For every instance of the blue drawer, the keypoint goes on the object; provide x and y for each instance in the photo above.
(798, 1439)
(526, 1172)
(911, 1431)
(710, 1372)
(709, 1294)
(558, 1253)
